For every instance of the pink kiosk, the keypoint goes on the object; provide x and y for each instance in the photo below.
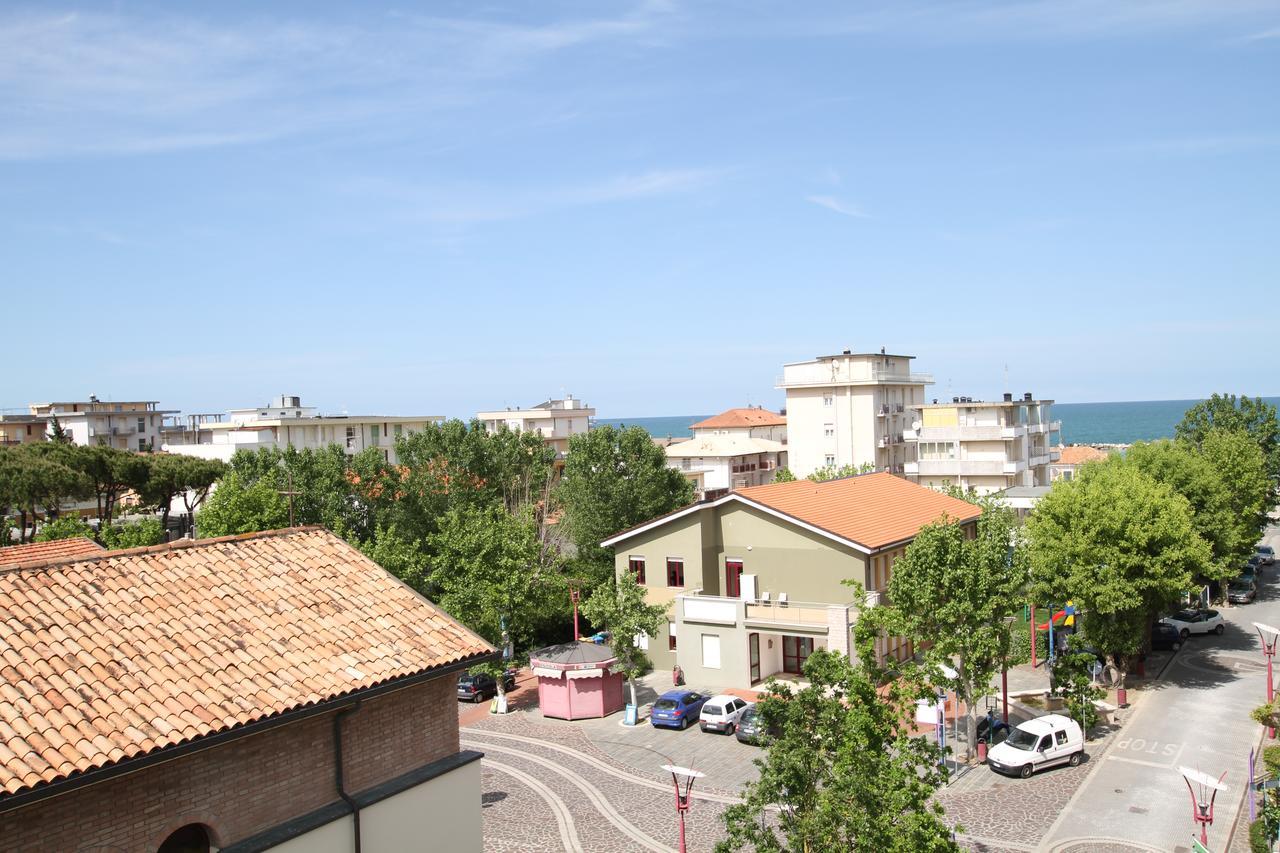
(574, 681)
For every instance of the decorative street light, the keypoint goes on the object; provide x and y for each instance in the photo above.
(1268, 635)
(1202, 804)
(682, 778)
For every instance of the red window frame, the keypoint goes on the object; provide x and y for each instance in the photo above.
(636, 565)
(733, 578)
(671, 642)
(675, 572)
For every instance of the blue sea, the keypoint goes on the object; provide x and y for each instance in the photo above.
(1082, 423)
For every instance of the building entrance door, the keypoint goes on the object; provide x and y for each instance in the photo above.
(795, 651)
(733, 578)
(753, 647)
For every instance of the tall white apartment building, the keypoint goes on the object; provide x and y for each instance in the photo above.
(124, 424)
(287, 423)
(736, 449)
(984, 446)
(851, 409)
(555, 420)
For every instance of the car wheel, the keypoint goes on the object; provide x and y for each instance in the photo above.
(730, 729)
(1026, 771)
(1075, 758)
(1219, 630)
(684, 723)
(1184, 633)
(477, 698)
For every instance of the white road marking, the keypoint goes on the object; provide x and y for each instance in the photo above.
(564, 817)
(1138, 761)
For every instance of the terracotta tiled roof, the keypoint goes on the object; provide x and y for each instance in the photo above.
(109, 658)
(741, 418)
(47, 550)
(871, 509)
(1078, 454)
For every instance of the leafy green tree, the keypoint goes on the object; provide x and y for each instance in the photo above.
(36, 478)
(953, 593)
(784, 475)
(237, 506)
(621, 608)
(1121, 545)
(496, 576)
(112, 472)
(1206, 486)
(57, 433)
(137, 534)
(68, 527)
(405, 558)
(1241, 464)
(831, 472)
(844, 768)
(614, 479)
(1254, 417)
(174, 476)
(1072, 679)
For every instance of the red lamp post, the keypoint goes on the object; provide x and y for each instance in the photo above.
(1268, 636)
(1202, 803)
(682, 778)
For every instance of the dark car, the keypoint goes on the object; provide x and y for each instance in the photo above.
(1249, 576)
(751, 728)
(1242, 592)
(476, 687)
(677, 709)
(1165, 637)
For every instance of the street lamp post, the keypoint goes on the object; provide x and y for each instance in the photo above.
(682, 778)
(1268, 635)
(1202, 803)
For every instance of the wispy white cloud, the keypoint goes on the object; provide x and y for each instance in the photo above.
(88, 84)
(1262, 35)
(838, 206)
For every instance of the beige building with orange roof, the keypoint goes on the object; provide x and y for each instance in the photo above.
(1069, 460)
(754, 579)
(273, 691)
(736, 449)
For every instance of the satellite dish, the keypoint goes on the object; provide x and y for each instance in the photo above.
(916, 425)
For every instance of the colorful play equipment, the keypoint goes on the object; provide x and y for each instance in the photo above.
(1067, 616)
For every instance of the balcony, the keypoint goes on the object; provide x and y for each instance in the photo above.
(964, 467)
(1037, 429)
(818, 374)
(722, 610)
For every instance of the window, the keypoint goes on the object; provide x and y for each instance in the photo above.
(829, 430)
(938, 450)
(675, 571)
(828, 400)
(384, 430)
(636, 565)
(711, 651)
(142, 424)
(671, 636)
(142, 444)
(1060, 737)
(733, 578)
(398, 430)
(830, 461)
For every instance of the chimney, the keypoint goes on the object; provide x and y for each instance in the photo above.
(955, 399)
(1008, 397)
(1027, 397)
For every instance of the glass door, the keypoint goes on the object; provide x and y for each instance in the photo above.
(733, 578)
(753, 646)
(795, 651)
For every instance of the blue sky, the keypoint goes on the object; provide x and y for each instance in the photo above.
(436, 209)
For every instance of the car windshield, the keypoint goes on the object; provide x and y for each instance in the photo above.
(712, 710)
(1266, 549)
(1022, 739)
(749, 715)
(1186, 616)
(466, 680)
(1240, 586)
(664, 704)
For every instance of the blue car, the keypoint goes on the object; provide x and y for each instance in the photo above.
(677, 709)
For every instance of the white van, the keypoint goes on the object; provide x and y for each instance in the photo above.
(1036, 744)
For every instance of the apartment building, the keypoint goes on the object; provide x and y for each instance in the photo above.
(287, 423)
(850, 409)
(22, 429)
(124, 424)
(753, 579)
(555, 420)
(981, 445)
(1067, 464)
(735, 449)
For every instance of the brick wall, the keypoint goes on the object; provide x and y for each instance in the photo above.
(247, 785)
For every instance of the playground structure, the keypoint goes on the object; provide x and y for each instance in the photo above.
(1067, 616)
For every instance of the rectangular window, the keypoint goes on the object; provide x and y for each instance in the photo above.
(671, 636)
(142, 424)
(829, 430)
(142, 445)
(384, 430)
(830, 461)
(733, 578)
(675, 572)
(711, 651)
(636, 564)
(828, 400)
(398, 429)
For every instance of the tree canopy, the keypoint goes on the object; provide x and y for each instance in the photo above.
(1251, 416)
(621, 608)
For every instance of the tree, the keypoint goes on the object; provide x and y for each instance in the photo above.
(495, 576)
(405, 558)
(1208, 489)
(621, 608)
(238, 506)
(174, 476)
(831, 472)
(784, 475)
(952, 593)
(69, 527)
(138, 534)
(1072, 679)
(1254, 417)
(1121, 545)
(112, 472)
(843, 769)
(1241, 464)
(614, 479)
(36, 477)
(57, 433)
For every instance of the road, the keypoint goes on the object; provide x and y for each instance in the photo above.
(1197, 716)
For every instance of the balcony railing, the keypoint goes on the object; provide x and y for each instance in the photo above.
(823, 375)
(724, 610)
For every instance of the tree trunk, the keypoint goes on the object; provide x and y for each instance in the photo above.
(631, 682)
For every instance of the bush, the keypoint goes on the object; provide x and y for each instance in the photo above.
(1271, 759)
(68, 527)
(1258, 841)
(1021, 645)
(140, 534)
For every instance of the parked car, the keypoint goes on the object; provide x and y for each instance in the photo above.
(1188, 622)
(676, 709)
(476, 687)
(1249, 576)
(1036, 744)
(1266, 555)
(751, 727)
(1241, 591)
(721, 713)
(1165, 637)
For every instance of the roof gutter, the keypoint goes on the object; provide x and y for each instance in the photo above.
(102, 774)
(337, 769)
